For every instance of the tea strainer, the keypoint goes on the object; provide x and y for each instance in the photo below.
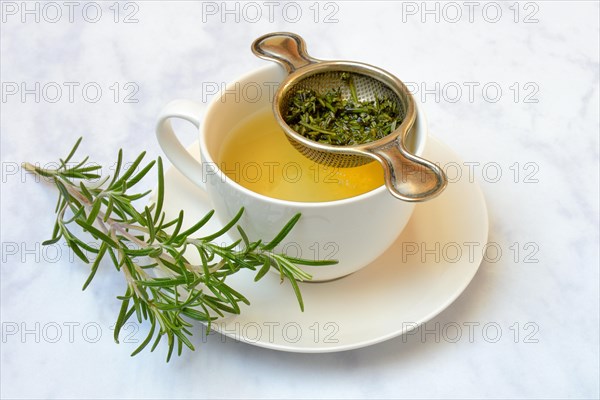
(407, 176)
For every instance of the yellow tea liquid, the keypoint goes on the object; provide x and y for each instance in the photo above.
(257, 155)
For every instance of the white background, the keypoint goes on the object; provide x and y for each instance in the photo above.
(546, 206)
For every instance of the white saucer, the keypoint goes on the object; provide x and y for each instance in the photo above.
(417, 278)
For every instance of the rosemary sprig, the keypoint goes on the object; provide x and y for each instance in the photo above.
(332, 119)
(162, 286)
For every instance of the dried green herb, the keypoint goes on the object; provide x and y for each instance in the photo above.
(332, 119)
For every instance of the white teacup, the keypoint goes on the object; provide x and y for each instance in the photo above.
(354, 231)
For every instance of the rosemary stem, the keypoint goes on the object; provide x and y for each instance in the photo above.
(113, 225)
(106, 213)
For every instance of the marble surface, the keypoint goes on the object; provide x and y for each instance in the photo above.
(528, 131)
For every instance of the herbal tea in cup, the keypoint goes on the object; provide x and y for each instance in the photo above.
(353, 218)
(257, 155)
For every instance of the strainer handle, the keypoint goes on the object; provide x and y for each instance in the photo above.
(285, 48)
(408, 177)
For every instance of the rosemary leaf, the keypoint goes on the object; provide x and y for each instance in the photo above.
(162, 287)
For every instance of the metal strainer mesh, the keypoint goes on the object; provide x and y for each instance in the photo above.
(367, 89)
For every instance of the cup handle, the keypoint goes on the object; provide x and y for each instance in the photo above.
(170, 144)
